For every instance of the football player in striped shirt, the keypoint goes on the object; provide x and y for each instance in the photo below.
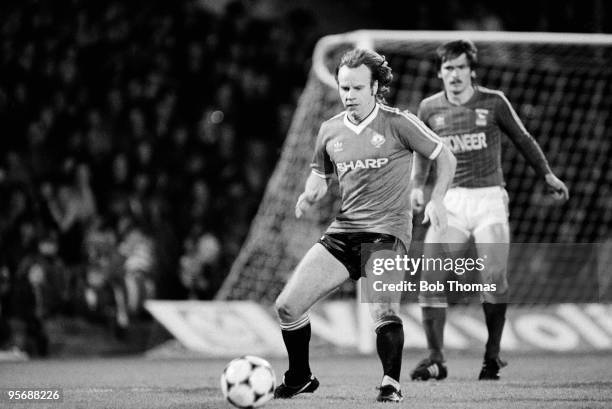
(471, 120)
(369, 148)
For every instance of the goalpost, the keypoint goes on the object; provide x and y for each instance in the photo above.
(560, 85)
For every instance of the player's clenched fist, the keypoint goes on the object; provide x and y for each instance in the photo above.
(435, 213)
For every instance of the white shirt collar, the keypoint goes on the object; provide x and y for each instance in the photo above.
(362, 125)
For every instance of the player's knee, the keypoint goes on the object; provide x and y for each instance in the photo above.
(495, 273)
(501, 287)
(285, 310)
(500, 279)
(499, 296)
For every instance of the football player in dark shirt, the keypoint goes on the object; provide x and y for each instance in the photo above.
(471, 120)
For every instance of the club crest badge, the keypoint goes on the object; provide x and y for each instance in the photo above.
(481, 116)
(377, 140)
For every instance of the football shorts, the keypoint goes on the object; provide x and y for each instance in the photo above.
(471, 209)
(347, 248)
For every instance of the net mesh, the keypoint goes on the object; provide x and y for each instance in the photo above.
(562, 93)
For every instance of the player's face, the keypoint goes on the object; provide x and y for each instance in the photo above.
(456, 75)
(357, 93)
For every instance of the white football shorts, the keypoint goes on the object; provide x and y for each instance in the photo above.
(471, 209)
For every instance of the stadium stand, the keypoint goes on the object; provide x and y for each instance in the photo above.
(138, 139)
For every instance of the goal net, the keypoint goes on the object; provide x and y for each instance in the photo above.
(561, 87)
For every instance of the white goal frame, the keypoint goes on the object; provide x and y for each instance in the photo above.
(369, 38)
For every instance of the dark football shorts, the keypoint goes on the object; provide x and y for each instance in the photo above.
(346, 248)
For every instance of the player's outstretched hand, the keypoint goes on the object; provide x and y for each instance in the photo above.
(417, 199)
(303, 205)
(435, 213)
(558, 190)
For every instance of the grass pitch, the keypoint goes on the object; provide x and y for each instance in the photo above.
(530, 381)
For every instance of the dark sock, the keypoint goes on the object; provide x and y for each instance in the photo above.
(495, 317)
(389, 345)
(297, 344)
(434, 319)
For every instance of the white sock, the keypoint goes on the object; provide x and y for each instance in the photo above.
(387, 380)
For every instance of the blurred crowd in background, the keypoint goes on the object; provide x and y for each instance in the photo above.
(137, 142)
(138, 138)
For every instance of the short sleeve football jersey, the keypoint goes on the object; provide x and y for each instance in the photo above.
(373, 162)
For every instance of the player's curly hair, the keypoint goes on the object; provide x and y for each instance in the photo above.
(378, 65)
(453, 49)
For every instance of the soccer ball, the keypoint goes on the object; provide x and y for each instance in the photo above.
(248, 382)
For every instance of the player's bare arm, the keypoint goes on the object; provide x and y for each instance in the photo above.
(316, 188)
(420, 171)
(435, 212)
